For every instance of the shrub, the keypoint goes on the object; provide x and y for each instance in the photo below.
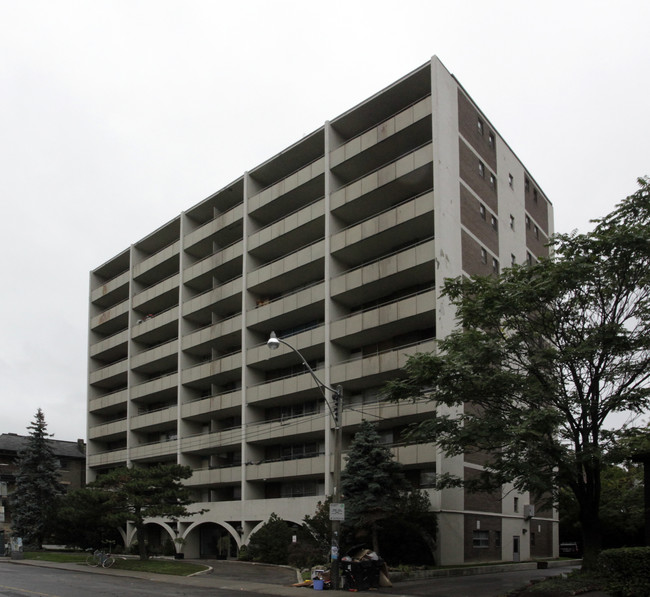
(627, 570)
(270, 544)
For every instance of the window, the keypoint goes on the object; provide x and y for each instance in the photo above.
(536, 229)
(481, 209)
(513, 260)
(427, 478)
(497, 538)
(526, 184)
(491, 140)
(511, 180)
(481, 170)
(479, 125)
(515, 502)
(493, 221)
(535, 195)
(532, 539)
(527, 222)
(512, 222)
(493, 181)
(495, 265)
(529, 259)
(483, 256)
(480, 539)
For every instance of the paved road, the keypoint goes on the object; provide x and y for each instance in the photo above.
(45, 579)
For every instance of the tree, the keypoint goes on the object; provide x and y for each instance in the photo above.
(81, 519)
(37, 486)
(542, 356)
(372, 482)
(135, 494)
(271, 542)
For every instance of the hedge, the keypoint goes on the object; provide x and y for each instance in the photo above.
(627, 571)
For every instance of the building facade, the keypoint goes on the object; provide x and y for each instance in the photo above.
(340, 244)
(71, 459)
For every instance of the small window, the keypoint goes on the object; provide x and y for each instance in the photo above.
(511, 180)
(481, 209)
(491, 140)
(483, 256)
(532, 539)
(529, 261)
(535, 195)
(479, 125)
(427, 478)
(513, 260)
(493, 181)
(512, 222)
(526, 185)
(495, 265)
(497, 538)
(481, 170)
(515, 502)
(481, 539)
(493, 221)
(527, 222)
(536, 229)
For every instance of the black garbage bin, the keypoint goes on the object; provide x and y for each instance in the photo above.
(360, 575)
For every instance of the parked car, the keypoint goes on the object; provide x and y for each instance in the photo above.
(569, 549)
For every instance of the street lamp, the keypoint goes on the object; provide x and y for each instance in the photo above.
(335, 410)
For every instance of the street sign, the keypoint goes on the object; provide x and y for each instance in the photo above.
(337, 512)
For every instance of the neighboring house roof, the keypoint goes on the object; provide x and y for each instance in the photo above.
(13, 443)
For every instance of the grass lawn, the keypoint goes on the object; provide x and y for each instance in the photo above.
(575, 583)
(156, 566)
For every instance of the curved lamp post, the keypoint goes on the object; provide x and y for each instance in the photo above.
(335, 410)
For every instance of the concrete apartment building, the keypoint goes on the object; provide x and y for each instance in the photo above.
(339, 244)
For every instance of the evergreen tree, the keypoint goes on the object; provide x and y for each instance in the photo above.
(37, 486)
(372, 483)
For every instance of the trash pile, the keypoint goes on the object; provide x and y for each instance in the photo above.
(361, 570)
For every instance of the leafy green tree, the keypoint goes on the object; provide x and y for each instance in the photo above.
(37, 486)
(544, 354)
(135, 494)
(372, 483)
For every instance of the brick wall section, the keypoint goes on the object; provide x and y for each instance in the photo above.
(541, 538)
(538, 209)
(468, 118)
(472, 258)
(470, 174)
(471, 218)
(481, 502)
(492, 524)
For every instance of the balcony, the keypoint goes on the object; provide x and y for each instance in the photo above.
(375, 192)
(219, 371)
(105, 459)
(109, 376)
(157, 358)
(404, 223)
(112, 292)
(158, 297)
(225, 331)
(202, 410)
(112, 320)
(112, 402)
(155, 451)
(216, 476)
(306, 428)
(310, 343)
(294, 308)
(410, 267)
(386, 320)
(108, 431)
(215, 441)
(289, 233)
(223, 264)
(155, 420)
(223, 300)
(158, 266)
(166, 386)
(225, 229)
(292, 271)
(157, 328)
(273, 393)
(287, 469)
(384, 142)
(111, 348)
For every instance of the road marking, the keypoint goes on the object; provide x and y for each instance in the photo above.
(28, 592)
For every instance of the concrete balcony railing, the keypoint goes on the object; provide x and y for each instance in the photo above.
(215, 476)
(209, 442)
(294, 269)
(153, 451)
(211, 264)
(416, 454)
(153, 386)
(110, 430)
(110, 315)
(211, 298)
(286, 185)
(108, 458)
(165, 286)
(381, 132)
(104, 292)
(288, 387)
(157, 259)
(210, 333)
(106, 373)
(109, 344)
(302, 342)
(228, 403)
(108, 402)
(213, 369)
(157, 353)
(287, 469)
(212, 227)
(310, 425)
(151, 324)
(290, 307)
(154, 420)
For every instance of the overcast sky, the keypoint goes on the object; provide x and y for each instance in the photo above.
(115, 116)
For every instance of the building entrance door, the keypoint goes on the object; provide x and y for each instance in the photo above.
(515, 548)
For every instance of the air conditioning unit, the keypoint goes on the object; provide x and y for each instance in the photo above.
(529, 511)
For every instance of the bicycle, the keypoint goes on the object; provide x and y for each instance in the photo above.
(100, 558)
